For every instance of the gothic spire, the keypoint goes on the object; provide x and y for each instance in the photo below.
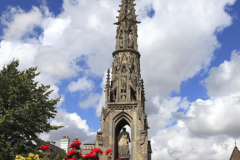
(127, 12)
(235, 154)
(127, 28)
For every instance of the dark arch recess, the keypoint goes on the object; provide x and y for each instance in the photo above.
(120, 120)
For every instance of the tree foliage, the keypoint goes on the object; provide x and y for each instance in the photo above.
(24, 110)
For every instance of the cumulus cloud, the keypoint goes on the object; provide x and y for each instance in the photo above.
(225, 79)
(208, 129)
(20, 23)
(177, 143)
(179, 41)
(163, 117)
(74, 126)
(81, 85)
(219, 114)
(96, 100)
(91, 101)
(24, 52)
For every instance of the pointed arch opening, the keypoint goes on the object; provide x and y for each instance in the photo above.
(123, 123)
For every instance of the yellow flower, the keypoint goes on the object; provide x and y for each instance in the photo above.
(19, 157)
(31, 155)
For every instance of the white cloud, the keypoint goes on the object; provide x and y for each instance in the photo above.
(24, 52)
(163, 115)
(54, 29)
(225, 79)
(56, 63)
(96, 100)
(81, 85)
(219, 114)
(209, 127)
(74, 126)
(90, 101)
(178, 42)
(177, 143)
(22, 23)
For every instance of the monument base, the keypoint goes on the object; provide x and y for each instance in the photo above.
(125, 158)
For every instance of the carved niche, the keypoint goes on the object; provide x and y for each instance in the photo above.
(99, 138)
(130, 39)
(124, 68)
(123, 88)
(121, 39)
(116, 63)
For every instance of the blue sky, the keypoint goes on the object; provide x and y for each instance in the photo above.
(189, 61)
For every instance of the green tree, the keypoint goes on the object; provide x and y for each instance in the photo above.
(24, 110)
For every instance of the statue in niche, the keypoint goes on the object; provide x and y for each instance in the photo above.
(123, 146)
(123, 84)
(123, 88)
(121, 39)
(130, 40)
(123, 98)
(124, 69)
(116, 68)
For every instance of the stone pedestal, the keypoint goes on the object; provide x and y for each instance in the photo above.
(125, 158)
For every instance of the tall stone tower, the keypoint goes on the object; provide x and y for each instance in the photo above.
(124, 95)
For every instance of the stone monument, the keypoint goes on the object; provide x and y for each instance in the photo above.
(124, 95)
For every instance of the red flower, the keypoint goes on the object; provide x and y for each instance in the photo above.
(75, 145)
(96, 150)
(69, 158)
(44, 147)
(108, 151)
(94, 157)
(88, 155)
(71, 153)
(119, 159)
(78, 154)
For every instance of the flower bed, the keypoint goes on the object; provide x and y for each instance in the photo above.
(73, 154)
